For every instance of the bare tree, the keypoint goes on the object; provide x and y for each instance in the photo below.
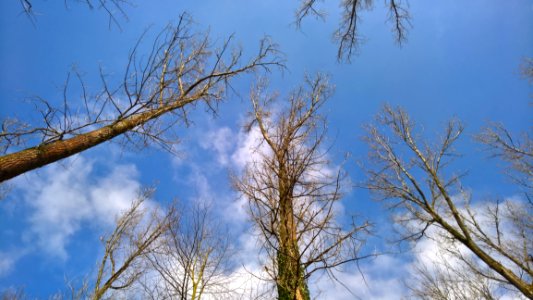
(156, 254)
(292, 191)
(181, 70)
(412, 176)
(125, 251)
(137, 234)
(445, 279)
(347, 34)
(194, 259)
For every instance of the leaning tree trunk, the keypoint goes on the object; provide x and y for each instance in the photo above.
(14, 164)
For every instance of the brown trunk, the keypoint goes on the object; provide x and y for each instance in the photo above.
(291, 285)
(521, 285)
(14, 164)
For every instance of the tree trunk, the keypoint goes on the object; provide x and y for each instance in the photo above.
(14, 164)
(291, 284)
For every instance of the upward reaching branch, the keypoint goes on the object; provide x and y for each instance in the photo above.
(194, 257)
(292, 191)
(517, 152)
(181, 70)
(410, 173)
(137, 233)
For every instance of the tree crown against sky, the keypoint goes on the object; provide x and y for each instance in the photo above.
(181, 70)
(446, 68)
(293, 193)
(412, 175)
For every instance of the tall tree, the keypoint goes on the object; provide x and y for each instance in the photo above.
(173, 253)
(412, 175)
(292, 191)
(181, 70)
(137, 234)
(447, 278)
(193, 259)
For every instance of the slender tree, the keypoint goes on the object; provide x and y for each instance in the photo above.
(193, 259)
(445, 282)
(137, 233)
(181, 70)
(413, 177)
(292, 191)
(446, 277)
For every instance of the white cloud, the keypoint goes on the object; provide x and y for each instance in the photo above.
(7, 260)
(376, 279)
(248, 282)
(114, 193)
(249, 279)
(6, 263)
(62, 199)
(249, 148)
(232, 150)
(199, 182)
(236, 210)
(221, 141)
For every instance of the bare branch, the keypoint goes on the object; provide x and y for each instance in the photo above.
(136, 235)
(347, 34)
(115, 9)
(193, 260)
(411, 176)
(181, 71)
(517, 152)
(292, 191)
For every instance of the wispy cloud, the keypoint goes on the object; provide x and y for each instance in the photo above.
(63, 199)
(8, 260)
(221, 141)
(373, 279)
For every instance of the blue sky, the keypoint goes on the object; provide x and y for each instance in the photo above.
(461, 61)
